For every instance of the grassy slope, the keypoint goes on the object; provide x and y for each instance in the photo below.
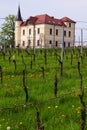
(61, 113)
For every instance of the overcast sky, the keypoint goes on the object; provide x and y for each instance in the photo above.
(74, 9)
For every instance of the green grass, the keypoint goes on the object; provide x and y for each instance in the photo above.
(56, 113)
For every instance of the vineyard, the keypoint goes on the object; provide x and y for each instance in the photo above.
(39, 92)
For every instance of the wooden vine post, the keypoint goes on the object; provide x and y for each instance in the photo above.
(9, 59)
(23, 62)
(38, 120)
(60, 60)
(25, 87)
(55, 85)
(79, 67)
(62, 51)
(71, 58)
(45, 57)
(81, 96)
(1, 74)
(83, 109)
(42, 72)
(14, 61)
(34, 57)
(39, 126)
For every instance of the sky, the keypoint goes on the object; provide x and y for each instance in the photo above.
(74, 9)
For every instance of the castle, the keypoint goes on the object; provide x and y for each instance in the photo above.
(44, 31)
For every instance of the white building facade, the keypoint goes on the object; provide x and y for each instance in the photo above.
(44, 31)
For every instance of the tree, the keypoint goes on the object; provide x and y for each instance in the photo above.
(7, 30)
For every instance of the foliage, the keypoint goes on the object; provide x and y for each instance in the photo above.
(7, 30)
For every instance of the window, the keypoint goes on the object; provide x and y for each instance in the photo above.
(64, 44)
(23, 32)
(29, 42)
(50, 31)
(69, 33)
(68, 44)
(56, 43)
(69, 24)
(38, 42)
(29, 22)
(38, 31)
(56, 31)
(64, 33)
(50, 42)
(23, 44)
(29, 31)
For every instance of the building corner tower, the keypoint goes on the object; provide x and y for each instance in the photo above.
(18, 21)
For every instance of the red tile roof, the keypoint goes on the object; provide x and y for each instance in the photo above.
(66, 19)
(23, 24)
(46, 19)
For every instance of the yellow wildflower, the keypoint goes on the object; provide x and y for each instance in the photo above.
(49, 107)
(73, 106)
(56, 106)
(21, 123)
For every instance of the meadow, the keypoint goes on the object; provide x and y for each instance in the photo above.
(37, 93)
